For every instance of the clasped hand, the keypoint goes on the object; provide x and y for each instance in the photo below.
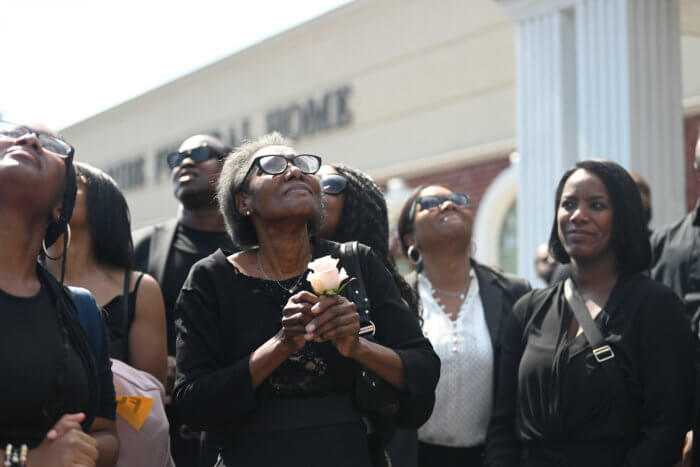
(307, 317)
(65, 445)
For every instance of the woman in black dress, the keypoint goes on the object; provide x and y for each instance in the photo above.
(101, 256)
(57, 397)
(282, 376)
(556, 404)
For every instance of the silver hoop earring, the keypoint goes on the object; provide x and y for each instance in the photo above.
(46, 250)
(414, 255)
(473, 249)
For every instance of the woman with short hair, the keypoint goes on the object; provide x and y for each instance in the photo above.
(279, 374)
(568, 398)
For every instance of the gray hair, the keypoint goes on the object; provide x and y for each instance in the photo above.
(233, 180)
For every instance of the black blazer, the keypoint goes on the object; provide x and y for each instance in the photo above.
(152, 247)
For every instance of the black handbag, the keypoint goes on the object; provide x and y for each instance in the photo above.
(605, 357)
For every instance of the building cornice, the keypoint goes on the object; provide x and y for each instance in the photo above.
(519, 10)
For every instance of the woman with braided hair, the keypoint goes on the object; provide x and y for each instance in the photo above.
(57, 404)
(356, 211)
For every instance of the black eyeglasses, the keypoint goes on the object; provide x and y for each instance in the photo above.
(275, 164)
(333, 184)
(198, 155)
(10, 132)
(430, 202)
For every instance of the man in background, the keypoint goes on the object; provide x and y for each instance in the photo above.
(168, 250)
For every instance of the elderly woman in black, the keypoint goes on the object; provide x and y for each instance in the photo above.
(280, 375)
(57, 397)
(628, 399)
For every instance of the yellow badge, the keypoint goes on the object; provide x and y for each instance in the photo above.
(134, 409)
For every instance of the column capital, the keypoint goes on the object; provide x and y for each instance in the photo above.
(519, 10)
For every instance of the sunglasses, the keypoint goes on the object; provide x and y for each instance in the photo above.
(198, 155)
(431, 202)
(10, 132)
(333, 184)
(277, 164)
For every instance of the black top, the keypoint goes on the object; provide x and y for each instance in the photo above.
(32, 355)
(552, 391)
(304, 413)
(676, 255)
(189, 246)
(119, 325)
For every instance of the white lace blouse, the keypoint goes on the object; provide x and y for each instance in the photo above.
(464, 393)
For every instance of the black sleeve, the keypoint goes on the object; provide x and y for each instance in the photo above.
(398, 329)
(209, 394)
(502, 444)
(668, 381)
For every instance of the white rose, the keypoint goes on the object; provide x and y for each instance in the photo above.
(325, 276)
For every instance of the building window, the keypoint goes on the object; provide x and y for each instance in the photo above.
(508, 242)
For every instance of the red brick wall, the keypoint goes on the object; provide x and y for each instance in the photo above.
(692, 187)
(473, 179)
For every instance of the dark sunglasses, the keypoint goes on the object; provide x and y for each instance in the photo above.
(276, 164)
(333, 184)
(9, 132)
(198, 155)
(430, 202)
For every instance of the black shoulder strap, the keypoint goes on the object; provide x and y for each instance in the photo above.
(357, 292)
(605, 356)
(125, 312)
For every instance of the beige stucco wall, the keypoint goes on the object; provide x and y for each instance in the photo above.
(433, 85)
(427, 78)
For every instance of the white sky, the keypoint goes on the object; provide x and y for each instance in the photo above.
(65, 60)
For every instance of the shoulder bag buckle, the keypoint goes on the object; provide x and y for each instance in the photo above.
(603, 353)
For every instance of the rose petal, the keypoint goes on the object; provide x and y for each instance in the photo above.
(329, 280)
(324, 263)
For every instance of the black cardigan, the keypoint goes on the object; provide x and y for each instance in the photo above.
(554, 400)
(224, 315)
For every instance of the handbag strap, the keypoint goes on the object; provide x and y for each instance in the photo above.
(125, 313)
(125, 301)
(358, 292)
(605, 357)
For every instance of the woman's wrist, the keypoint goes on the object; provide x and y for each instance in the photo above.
(360, 351)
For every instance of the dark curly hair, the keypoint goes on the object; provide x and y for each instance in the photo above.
(629, 236)
(364, 219)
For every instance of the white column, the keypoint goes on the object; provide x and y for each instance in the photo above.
(546, 124)
(629, 93)
(596, 79)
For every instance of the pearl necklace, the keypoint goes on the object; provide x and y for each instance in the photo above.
(461, 295)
